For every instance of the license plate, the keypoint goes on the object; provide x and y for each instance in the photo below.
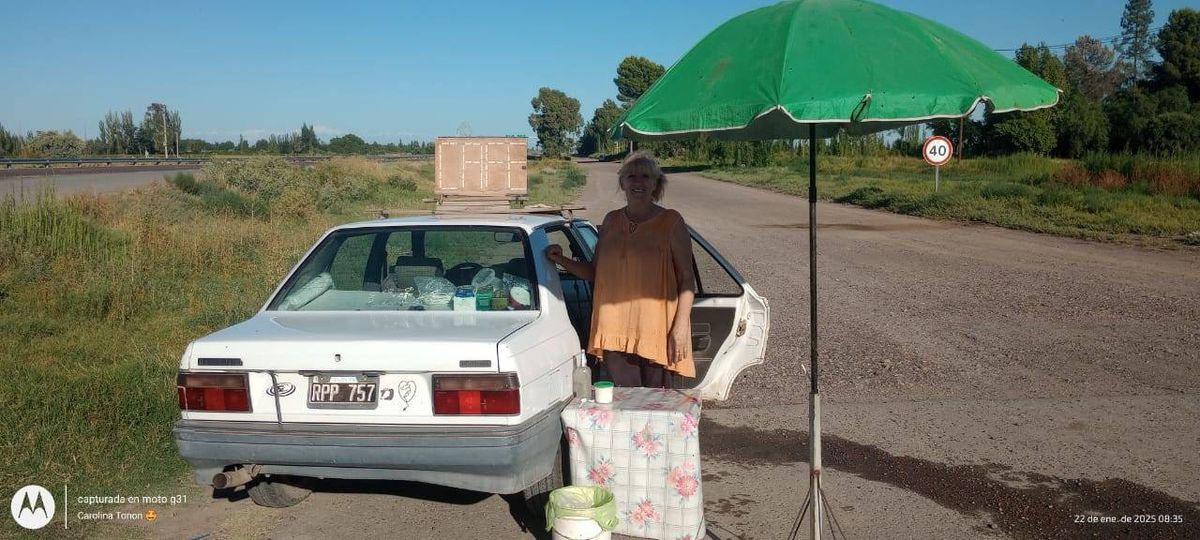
(343, 391)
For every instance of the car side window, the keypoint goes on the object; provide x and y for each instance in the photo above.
(588, 234)
(570, 249)
(399, 244)
(348, 264)
(711, 278)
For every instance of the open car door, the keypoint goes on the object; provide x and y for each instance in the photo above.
(729, 323)
(729, 319)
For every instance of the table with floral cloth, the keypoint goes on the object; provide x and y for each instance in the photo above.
(645, 448)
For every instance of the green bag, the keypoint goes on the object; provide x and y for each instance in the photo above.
(595, 503)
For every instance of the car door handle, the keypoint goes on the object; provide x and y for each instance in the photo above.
(700, 342)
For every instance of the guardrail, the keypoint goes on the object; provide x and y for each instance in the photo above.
(110, 161)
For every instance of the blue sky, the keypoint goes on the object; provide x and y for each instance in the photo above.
(394, 70)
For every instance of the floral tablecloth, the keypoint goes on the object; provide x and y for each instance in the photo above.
(645, 448)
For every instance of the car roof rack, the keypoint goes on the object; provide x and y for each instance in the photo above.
(567, 211)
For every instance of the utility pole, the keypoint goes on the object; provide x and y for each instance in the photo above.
(166, 142)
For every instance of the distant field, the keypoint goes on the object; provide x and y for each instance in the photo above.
(1121, 198)
(99, 295)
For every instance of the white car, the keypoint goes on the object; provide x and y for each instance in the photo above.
(364, 364)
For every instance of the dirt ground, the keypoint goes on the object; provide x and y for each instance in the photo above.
(977, 382)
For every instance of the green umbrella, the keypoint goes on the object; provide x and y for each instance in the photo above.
(836, 64)
(811, 68)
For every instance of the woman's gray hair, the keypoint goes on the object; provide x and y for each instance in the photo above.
(642, 161)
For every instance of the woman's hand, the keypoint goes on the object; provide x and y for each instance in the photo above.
(679, 343)
(554, 252)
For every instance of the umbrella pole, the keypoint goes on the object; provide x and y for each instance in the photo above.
(814, 409)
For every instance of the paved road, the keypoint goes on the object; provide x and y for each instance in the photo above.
(978, 383)
(70, 181)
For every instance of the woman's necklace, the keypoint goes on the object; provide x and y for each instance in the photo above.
(633, 225)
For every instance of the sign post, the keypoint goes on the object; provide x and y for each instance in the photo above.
(937, 151)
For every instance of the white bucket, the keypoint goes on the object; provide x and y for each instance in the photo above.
(578, 528)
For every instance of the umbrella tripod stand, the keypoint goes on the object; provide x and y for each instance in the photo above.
(816, 496)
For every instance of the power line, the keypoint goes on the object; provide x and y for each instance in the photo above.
(1109, 40)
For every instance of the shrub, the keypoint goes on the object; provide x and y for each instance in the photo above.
(51, 227)
(1032, 168)
(402, 182)
(1055, 195)
(296, 202)
(1111, 180)
(1172, 178)
(996, 190)
(263, 178)
(573, 177)
(186, 183)
(218, 199)
(1097, 201)
(224, 200)
(1072, 174)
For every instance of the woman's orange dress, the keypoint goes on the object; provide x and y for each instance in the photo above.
(636, 290)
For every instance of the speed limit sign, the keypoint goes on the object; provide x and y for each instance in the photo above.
(937, 150)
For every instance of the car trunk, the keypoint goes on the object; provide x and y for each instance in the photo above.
(397, 350)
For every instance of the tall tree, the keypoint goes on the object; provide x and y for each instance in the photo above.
(1129, 111)
(109, 134)
(308, 142)
(1136, 41)
(154, 123)
(10, 143)
(556, 120)
(128, 133)
(1179, 46)
(55, 144)
(635, 74)
(1091, 68)
(118, 133)
(596, 136)
(348, 144)
(174, 129)
(1082, 126)
(1033, 131)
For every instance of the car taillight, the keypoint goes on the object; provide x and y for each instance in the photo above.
(476, 394)
(218, 392)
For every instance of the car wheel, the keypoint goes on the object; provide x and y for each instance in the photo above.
(278, 491)
(537, 495)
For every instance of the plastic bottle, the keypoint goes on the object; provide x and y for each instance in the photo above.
(483, 299)
(464, 299)
(581, 379)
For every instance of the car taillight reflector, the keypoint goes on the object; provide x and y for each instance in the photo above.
(218, 392)
(476, 394)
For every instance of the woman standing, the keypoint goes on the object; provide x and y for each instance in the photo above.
(644, 283)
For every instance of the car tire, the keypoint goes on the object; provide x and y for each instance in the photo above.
(278, 491)
(537, 495)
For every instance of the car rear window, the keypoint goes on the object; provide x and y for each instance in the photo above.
(414, 268)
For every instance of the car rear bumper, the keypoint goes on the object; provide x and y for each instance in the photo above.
(492, 459)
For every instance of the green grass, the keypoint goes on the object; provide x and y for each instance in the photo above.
(99, 295)
(1021, 192)
(555, 182)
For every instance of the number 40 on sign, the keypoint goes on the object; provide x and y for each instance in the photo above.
(937, 151)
